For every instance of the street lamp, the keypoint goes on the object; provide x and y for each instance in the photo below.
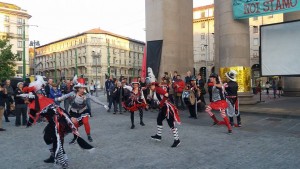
(97, 56)
(24, 51)
(55, 70)
(34, 43)
(206, 58)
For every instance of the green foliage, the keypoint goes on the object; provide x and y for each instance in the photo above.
(7, 60)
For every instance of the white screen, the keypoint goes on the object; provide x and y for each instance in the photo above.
(280, 49)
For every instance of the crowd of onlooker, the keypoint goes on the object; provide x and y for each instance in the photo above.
(118, 90)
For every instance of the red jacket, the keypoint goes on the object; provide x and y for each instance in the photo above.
(178, 86)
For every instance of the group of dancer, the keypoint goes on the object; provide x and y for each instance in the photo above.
(61, 122)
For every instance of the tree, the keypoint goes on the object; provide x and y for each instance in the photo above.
(7, 60)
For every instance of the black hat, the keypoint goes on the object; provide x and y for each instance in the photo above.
(193, 78)
(214, 75)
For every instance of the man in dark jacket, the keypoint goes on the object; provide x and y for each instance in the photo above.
(48, 86)
(9, 99)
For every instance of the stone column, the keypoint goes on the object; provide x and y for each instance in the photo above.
(172, 22)
(291, 84)
(232, 44)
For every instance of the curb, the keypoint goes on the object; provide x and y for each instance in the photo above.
(288, 116)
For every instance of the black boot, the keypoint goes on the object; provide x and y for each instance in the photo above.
(141, 117)
(50, 159)
(156, 137)
(73, 141)
(90, 138)
(132, 120)
(176, 143)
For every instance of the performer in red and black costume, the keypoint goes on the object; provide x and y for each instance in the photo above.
(166, 111)
(218, 101)
(59, 124)
(79, 111)
(136, 101)
(193, 87)
(231, 93)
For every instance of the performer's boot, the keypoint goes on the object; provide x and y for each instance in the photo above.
(51, 158)
(73, 141)
(228, 125)
(157, 136)
(239, 121)
(90, 138)
(216, 121)
(176, 137)
(231, 121)
(132, 120)
(141, 118)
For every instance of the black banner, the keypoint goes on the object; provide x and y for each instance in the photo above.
(154, 50)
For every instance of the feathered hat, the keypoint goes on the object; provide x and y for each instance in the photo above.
(79, 82)
(231, 75)
(36, 85)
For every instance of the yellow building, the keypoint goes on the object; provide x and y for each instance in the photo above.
(204, 45)
(93, 49)
(12, 18)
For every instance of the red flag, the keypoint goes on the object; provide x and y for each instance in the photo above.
(144, 63)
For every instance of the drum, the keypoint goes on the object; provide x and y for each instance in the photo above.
(188, 97)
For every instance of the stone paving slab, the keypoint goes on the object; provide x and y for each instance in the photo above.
(263, 142)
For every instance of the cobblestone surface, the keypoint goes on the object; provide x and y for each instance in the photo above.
(263, 142)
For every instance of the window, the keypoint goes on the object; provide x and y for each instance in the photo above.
(20, 44)
(19, 31)
(19, 55)
(203, 36)
(20, 21)
(20, 70)
(7, 29)
(255, 18)
(255, 29)
(6, 18)
(202, 14)
(203, 25)
(255, 41)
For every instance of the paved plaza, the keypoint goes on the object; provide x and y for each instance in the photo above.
(263, 142)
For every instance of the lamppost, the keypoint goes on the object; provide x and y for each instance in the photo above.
(24, 51)
(55, 70)
(206, 58)
(76, 64)
(108, 60)
(96, 56)
(34, 43)
(133, 64)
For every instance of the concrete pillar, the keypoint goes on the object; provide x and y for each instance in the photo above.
(172, 22)
(233, 45)
(291, 84)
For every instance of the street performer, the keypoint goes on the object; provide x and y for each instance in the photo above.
(231, 93)
(194, 88)
(218, 101)
(135, 102)
(79, 110)
(166, 111)
(59, 124)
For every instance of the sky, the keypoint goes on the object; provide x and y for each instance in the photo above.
(57, 19)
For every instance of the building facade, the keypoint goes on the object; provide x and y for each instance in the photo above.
(204, 44)
(96, 54)
(13, 21)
